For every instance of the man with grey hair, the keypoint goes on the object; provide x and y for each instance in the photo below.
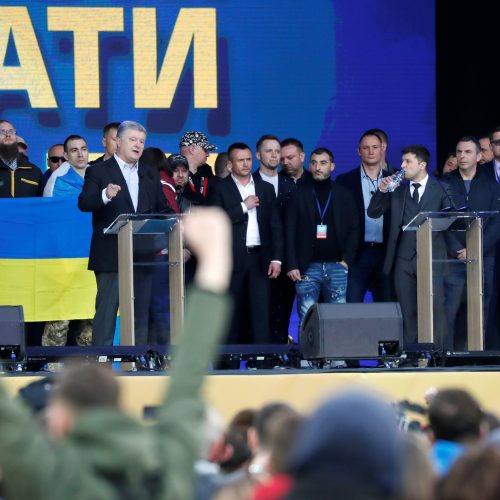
(119, 185)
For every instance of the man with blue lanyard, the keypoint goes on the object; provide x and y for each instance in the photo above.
(366, 273)
(322, 233)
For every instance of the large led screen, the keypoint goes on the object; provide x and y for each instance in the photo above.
(322, 71)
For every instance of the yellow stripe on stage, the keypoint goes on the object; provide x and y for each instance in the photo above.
(48, 289)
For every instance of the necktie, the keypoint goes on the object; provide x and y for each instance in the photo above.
(414, 196)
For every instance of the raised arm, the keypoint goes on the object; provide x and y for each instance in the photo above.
(208, 233)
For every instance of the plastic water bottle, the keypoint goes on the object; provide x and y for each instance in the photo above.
(395, 180)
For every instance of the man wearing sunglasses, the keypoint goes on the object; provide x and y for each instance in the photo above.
(55, 158)
(18, 177)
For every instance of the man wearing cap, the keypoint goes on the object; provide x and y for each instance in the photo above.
(18, 177)
(257, 245)
(196, 148)
(185, 196)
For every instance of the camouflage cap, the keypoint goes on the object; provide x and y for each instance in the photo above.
(194, 138)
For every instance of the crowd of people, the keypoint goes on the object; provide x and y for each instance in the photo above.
(298, 232)
(61, 438)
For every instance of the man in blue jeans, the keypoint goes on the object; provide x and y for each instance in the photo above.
(322, 233)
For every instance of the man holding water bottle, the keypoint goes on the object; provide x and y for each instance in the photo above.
(416, 192)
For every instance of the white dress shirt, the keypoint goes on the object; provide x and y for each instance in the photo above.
(131, 175)
(421, 189)
(253, 235)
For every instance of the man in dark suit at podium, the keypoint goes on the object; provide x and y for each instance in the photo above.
(472, 187)
(257, 244)
(418, 193)
(119, 185)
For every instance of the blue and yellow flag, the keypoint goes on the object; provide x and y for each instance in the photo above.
(44, 248)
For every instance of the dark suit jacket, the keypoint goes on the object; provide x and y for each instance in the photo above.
(225, 194)
(286, 187)
(301, 225)
(483, 196)
(488, 169)
(435, 198)
(352, 181)
(104, 248)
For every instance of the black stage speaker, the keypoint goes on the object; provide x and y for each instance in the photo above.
(12, 337)
(352, 330)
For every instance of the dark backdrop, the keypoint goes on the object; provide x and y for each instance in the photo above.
(468, 86)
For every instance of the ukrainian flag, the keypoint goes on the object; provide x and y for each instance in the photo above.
(44, 248)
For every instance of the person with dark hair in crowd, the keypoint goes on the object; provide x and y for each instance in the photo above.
(257, 245)
(108, 141)
(493, 167)
(366, 274)
(261, 434)
(455, 423)
(473, 476)
(283, 431)
(103, 453)
(282, 289)
(321, 236)
(155, 157)
(292, 158)
(159, 307)
(471, 188)
(221, 166)
(417, 193)
(449, 165)
(18, 177)
(486, 151)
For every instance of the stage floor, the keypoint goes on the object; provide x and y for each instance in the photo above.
(230, 391)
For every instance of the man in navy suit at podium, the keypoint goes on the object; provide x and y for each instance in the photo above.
(119, 185)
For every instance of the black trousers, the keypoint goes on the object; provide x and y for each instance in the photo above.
(282, 297)
(106, 306)
(250, 288)
(405, 281)
(366, 275)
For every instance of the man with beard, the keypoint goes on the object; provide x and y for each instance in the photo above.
(292, 160)
(322, 234)
(18, 177)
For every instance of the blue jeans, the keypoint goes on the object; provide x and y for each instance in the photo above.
(330, 278)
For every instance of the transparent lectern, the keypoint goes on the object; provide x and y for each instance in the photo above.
(427, 223)
(149, 244)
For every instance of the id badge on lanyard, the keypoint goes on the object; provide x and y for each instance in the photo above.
(321, 229)
(321, 233)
